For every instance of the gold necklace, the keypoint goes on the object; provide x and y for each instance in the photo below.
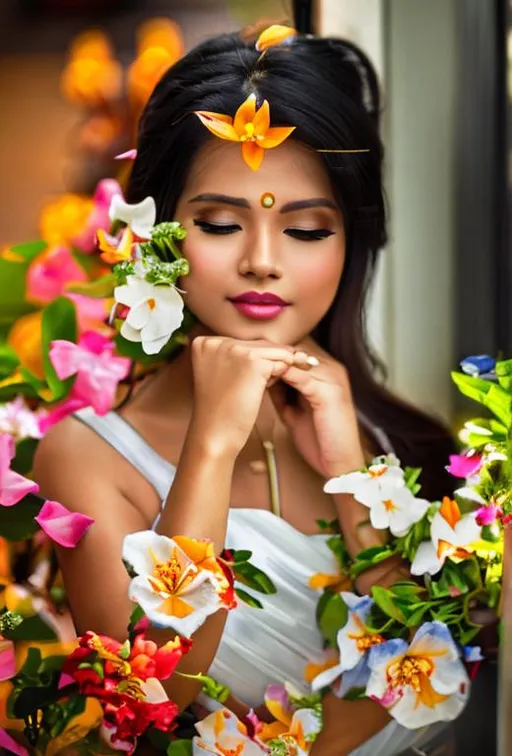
(268, 465)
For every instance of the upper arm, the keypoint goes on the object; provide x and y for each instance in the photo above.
(74, 468)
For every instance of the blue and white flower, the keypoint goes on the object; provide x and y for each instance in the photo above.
(354, 643)
(420, 683)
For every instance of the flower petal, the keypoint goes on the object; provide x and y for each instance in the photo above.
(129, 333)
(261, 120)
(252, 154)
(128, 155)
(139, 547)
(14, 487)
(218, 126)
(62, 526)
(155, 345)
(276, 136)
(326, 678)
(276, 34)
(245, 115)
(426, 560)
(10, 745)
(140, 217)
(7, 659)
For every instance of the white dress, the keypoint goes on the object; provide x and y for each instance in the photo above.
(273, 644)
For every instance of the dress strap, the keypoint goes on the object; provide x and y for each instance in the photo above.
(123, 437)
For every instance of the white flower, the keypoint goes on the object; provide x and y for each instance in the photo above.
(365, 486)
(222, 733)
(18, 420)
(452, 536)
(420, 683)
(354, 642)
(156, 312)
(382, 489)
(178, 582)
(140, 217)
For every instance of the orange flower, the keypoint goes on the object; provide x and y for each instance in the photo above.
(146, 71)
(161, 32)
(251, 127)
(64, 218)
(115, 250)
(25, 338)
(275, 35)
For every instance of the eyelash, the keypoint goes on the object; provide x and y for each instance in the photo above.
(301, 234)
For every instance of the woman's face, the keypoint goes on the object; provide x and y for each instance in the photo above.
(260, 272)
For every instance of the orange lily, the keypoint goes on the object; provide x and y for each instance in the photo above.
(275, 35)
(250, 126)
(115, 250)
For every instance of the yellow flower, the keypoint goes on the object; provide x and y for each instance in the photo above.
(146, 71)
(250, 126)
(63, 219)
(164, 33)
(115, 250)
(275, 35)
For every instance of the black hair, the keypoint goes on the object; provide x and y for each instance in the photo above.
(328, 90)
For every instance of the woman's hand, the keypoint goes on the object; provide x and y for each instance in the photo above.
(230, 378)
(323, 423)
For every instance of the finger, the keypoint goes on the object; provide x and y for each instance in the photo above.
(276, 353)
(305, 361)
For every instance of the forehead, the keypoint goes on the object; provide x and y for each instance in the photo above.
(290, 170)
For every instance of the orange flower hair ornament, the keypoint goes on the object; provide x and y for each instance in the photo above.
(250, 126)
(275, 35)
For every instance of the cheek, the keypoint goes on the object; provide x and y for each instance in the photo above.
(207, 270)
(318, 278)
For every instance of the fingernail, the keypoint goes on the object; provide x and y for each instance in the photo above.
(312, 361)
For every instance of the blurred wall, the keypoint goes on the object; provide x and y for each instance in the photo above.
(413, 45)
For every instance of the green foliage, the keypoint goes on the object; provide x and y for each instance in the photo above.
(180, 748)
(59, 322)
(331, 615)
(17, 523)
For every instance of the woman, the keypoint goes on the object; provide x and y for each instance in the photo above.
(277, 374)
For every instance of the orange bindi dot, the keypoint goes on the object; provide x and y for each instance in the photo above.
(267, 200)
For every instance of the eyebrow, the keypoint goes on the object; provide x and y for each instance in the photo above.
(286, 208)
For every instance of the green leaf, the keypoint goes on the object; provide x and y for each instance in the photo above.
(504, 374)
(180, 748)
(368, 558)
(253, 577)
(417, 615)
(13, 303)
(17, 523)
(136, 616)
(100, 288)
(240, 555)
(384, 600)
(411, 475)
(8, 361)
(337, 545)
(32, 663)
(407, 590)
(59, 322)
(492, 396)
(248, 599)
(24, 459)
(468, 635)
(33, 629)
(28, 251)
(332, 615)
(52, 664)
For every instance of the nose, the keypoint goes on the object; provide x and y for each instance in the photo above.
(260, 257)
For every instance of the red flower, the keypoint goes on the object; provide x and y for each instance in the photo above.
(147, 660)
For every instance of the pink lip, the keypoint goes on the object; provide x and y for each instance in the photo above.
(259, 298)
(259, 305)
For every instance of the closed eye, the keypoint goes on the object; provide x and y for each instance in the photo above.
(216, 228)
(305, 234)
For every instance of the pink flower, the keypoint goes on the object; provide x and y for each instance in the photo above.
(99, 218)
(488, 513)
(464, 465)
(128, 155)
(13, 487)
(89, 311)
(9, 745)
(50, 272)
(52, 416)
(18, 420)
(62, 526)
(7, 659)
(97, 369)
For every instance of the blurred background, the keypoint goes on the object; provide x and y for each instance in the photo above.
(444, 282)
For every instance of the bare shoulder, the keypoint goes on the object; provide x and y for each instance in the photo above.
(74, 465)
